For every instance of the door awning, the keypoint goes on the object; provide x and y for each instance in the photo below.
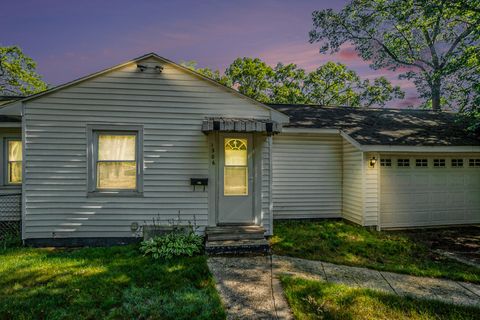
(240, 125)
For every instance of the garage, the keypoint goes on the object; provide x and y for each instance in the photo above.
(429, 190)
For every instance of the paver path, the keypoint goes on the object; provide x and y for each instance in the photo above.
(250, 289)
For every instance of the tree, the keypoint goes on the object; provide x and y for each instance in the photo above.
(252, 77)
(287, 84)
(18, 74)
(330, 84)
(428, 40)
(207, 72)
(334, 84)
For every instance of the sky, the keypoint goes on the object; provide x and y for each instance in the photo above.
(69, 39)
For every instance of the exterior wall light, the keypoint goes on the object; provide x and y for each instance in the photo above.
(372, 162)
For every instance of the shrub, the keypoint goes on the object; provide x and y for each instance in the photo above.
(176, 243)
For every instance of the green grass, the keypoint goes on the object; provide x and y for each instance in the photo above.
(341, 243)
(311, 299)
(104, 283)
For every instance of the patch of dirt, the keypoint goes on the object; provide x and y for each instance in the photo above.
(462, 242)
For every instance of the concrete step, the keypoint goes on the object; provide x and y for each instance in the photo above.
(235, 229)
(234, 233)
(234, 236)
(237, 247)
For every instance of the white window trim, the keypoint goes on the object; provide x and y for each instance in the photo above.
(5, 161)
(92, 155)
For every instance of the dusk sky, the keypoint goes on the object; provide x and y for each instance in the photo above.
(70, 39)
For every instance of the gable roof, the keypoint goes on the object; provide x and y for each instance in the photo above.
(373, 126)
(280, 116)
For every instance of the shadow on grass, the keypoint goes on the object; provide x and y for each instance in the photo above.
(321, 300)
(341, 243)
(106, 283)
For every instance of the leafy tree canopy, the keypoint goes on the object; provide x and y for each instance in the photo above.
(207, 72)
(252, 77)
(330, 84)
(18, 74)
(429, 41)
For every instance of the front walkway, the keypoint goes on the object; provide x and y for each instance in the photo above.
(245, 284)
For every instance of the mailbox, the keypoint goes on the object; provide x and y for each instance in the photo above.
(202, 182)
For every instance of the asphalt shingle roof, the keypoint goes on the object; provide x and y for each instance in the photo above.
(374, 126)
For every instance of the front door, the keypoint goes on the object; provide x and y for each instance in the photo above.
(235, 199)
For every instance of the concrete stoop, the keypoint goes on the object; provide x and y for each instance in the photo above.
(236, 240)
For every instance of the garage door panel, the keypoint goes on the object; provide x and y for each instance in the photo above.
(456, 180)
(472, 180)
(422, 196)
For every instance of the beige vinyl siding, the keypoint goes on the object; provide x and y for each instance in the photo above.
(307, 176)
(170, 106)
(371, 195)
(353, 194)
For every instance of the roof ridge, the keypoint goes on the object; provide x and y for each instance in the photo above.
(359, 108)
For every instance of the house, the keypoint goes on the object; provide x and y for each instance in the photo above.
(96, 158)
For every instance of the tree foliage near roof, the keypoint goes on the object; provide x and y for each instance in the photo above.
(334, 84)
(330, 84)
(18, 74)
(430, 41)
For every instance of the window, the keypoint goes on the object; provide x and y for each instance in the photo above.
(13, 161)
(457, 163)
(235, 171)
(115, 160)
(403, 162)
(385, 162)
(421, 162)
(474, 163)
(438, 163)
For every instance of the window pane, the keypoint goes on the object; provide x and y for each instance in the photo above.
(116, 147)
(116, 175)
(15, 172)
(236, 152)
(235, 181)
(14, 150)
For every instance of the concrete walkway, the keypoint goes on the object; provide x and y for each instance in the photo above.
(250, 289)
(400, 284)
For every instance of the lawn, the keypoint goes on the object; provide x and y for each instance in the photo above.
(311, 299)
(104, 283)
(342, 243)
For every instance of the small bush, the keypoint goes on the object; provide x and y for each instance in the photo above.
(173, 244)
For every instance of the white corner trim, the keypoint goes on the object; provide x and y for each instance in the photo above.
(352, 141)
(309, 130)
(25, 174)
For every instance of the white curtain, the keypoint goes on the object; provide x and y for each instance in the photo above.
(14, 150)
(116, 147)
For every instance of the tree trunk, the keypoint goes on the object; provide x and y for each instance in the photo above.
(436, 94)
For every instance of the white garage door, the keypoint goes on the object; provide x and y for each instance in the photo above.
(424, 191)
